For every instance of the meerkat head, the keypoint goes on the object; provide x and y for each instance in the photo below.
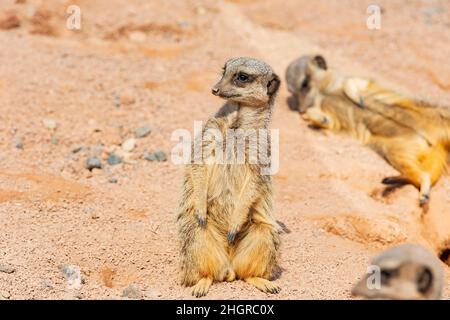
(247, 81)
(406, 272)
(302, 76)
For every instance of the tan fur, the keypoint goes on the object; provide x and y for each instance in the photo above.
(225, 218)
(414, 137)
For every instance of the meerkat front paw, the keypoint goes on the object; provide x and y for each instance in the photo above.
(232, 233)
(201, 218)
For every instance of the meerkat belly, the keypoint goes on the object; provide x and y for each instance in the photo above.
(224, 187)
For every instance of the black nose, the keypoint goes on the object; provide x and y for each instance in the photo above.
(215, 91)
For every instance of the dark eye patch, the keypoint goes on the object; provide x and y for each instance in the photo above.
(242, 78)
(305, 84)
(387, 275)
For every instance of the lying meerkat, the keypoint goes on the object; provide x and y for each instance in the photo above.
(406, 272)
(225, 219)
(414, 137)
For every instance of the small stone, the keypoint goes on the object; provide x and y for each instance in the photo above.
(9, 22)
(137, 36)
(6, 268)
(114, 159)
(149, 156)
(113, 180)
(47, 284)
(142, 132)
(73, 276)
(93, 163)
(129, 145)
(132, 291)
(77, 149)
(127, 99)
(154, 294)
(54, 140)
(160, 156)
(4, 295)
(18, 143)
(49, 124)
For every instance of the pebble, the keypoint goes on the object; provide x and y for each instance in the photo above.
(154, 294)
(114, 159)
(9, 22)
(73, 276)
(142, 132)
(149, 156)
(127, 99)
(6, 268)
(54, 140)
(129, 145)
(49, 124)
(159, 156)
(5, 295)
(113, 180)
(93, 163)
(132, 291)
(18, 143)
(77, 149)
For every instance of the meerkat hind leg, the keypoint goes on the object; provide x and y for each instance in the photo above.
(263, 284)
(254, 258)
(202, 287)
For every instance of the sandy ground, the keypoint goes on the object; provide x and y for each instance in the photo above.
(66, 95)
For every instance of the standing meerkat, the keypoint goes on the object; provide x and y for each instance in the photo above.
(225, 219)
(407, 272)
(413, 136)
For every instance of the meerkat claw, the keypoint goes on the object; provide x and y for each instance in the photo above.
(231, 236)
(424, 199)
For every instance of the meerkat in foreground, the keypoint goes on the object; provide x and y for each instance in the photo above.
(413, 136)
(225, 220)
(405, 272)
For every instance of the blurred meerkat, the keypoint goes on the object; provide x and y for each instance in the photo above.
(413, 136)
(407, 272)
(225, 219)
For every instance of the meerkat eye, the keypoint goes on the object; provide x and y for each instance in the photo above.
(305, 83)
(242, 77)
(387, 275)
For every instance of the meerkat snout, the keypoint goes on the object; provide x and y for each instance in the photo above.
(406, 272)
(247, 81)
(215, 91)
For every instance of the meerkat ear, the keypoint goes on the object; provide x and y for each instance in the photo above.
(424, 280)
(273, 85)
(320, 62)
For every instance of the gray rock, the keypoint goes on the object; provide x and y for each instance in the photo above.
(149, 156)
(132, 291)
(160, 155)
(93, 163)
(114, 159)
(113, 180)
(73, 276)
(7, 268)
(142, 132)
(18, 143)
